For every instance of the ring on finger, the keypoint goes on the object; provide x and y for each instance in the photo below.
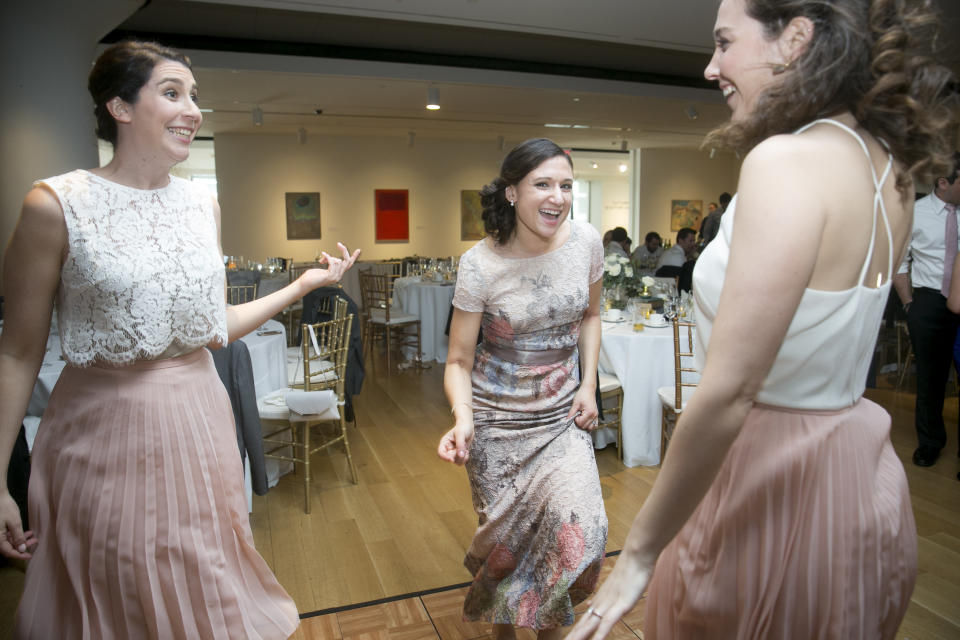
(592, 612)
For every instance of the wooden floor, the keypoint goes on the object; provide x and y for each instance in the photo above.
(404, 528)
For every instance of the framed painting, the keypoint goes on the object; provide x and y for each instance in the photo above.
(685, 213)
(471, 216)
(391, 208)
(303, 216)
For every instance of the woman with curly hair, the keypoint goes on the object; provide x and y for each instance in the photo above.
(522, 413)
(781, 509)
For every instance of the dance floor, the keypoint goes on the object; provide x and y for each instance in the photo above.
(383, 558)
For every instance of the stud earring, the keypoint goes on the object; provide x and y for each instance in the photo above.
(513, 203)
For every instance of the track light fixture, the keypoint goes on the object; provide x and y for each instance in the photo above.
(257, 114)
(433, 98)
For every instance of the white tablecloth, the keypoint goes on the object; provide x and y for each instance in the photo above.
(430, 302)
(643, 361)
(268, 356)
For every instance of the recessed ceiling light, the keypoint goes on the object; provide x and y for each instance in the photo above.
(594, 165)
(622, 167)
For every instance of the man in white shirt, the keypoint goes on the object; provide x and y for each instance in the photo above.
(679, 253)
(933, 328)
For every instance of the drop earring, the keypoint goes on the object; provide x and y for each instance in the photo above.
(780, 68)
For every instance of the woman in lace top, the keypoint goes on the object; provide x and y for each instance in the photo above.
(781, 509)
(522, 411)
(136, 497)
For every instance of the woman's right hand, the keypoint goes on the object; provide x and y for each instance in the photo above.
(14, 542)
(455, 444)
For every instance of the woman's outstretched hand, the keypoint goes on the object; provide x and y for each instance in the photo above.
(336, 267)
(455, 445)
(616, 596)
(14, 541)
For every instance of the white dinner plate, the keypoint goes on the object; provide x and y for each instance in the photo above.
(652, 325)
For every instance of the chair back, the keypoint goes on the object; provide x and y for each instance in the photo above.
(239, 294)
(377, 292)
(325, 347)
(296, 269)
(682, 349)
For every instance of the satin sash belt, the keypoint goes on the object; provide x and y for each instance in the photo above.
(543, 356)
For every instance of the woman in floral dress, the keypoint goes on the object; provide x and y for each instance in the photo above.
(522, 407)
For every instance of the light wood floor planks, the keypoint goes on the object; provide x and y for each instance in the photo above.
(406, 526)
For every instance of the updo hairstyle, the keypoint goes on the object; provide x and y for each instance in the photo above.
(499, 217)
(120, 72)
(874, 58)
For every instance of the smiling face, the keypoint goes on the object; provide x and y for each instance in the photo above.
(542, 198)
(743, 58)
(165, 118)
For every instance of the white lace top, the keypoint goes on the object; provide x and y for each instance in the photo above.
(143, 278)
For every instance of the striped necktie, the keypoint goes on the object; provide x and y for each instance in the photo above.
(950, 246)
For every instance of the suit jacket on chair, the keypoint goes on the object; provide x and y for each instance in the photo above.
(236, 373)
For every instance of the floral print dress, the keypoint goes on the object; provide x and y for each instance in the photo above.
(542, 527)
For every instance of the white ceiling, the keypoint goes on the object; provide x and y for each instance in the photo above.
(243, 58)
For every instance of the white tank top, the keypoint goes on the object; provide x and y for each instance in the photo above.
(143, 278)
(825, 355)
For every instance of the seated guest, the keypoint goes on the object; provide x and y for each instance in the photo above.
(679, 253)
(648, 254)
(618, 242)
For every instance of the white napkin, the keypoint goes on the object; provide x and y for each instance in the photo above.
(323, 403)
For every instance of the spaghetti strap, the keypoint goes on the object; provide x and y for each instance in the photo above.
(877, 196)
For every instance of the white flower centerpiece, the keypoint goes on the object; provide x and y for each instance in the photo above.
(619, 280)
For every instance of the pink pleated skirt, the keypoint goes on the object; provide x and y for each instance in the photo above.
(136, 496)
(807, 532)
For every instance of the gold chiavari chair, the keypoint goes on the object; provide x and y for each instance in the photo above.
(238, 294)
(324, 352)
(672, 398)
(611, 389)
(382, 320)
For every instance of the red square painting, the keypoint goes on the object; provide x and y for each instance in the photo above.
(393, 217)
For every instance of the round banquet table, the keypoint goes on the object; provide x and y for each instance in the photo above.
(429, 301)
(268, 357)
(643, 361)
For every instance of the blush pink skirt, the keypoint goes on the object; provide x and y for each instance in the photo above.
(136, 496)
(807, 532)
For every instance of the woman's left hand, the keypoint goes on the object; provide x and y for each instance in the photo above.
(616, 596)
(584, 409)
(336, 267)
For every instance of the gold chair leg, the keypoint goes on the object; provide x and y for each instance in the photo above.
(620, 424)
(386, 329)
(346, 447)
(306, 467)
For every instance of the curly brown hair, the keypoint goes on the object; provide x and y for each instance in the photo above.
(874, 58)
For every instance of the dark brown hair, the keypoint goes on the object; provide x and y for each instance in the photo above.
(120, 72)
(873, 58)
(499, 217)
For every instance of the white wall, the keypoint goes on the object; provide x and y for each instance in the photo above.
(255, 170)
(679, 174)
